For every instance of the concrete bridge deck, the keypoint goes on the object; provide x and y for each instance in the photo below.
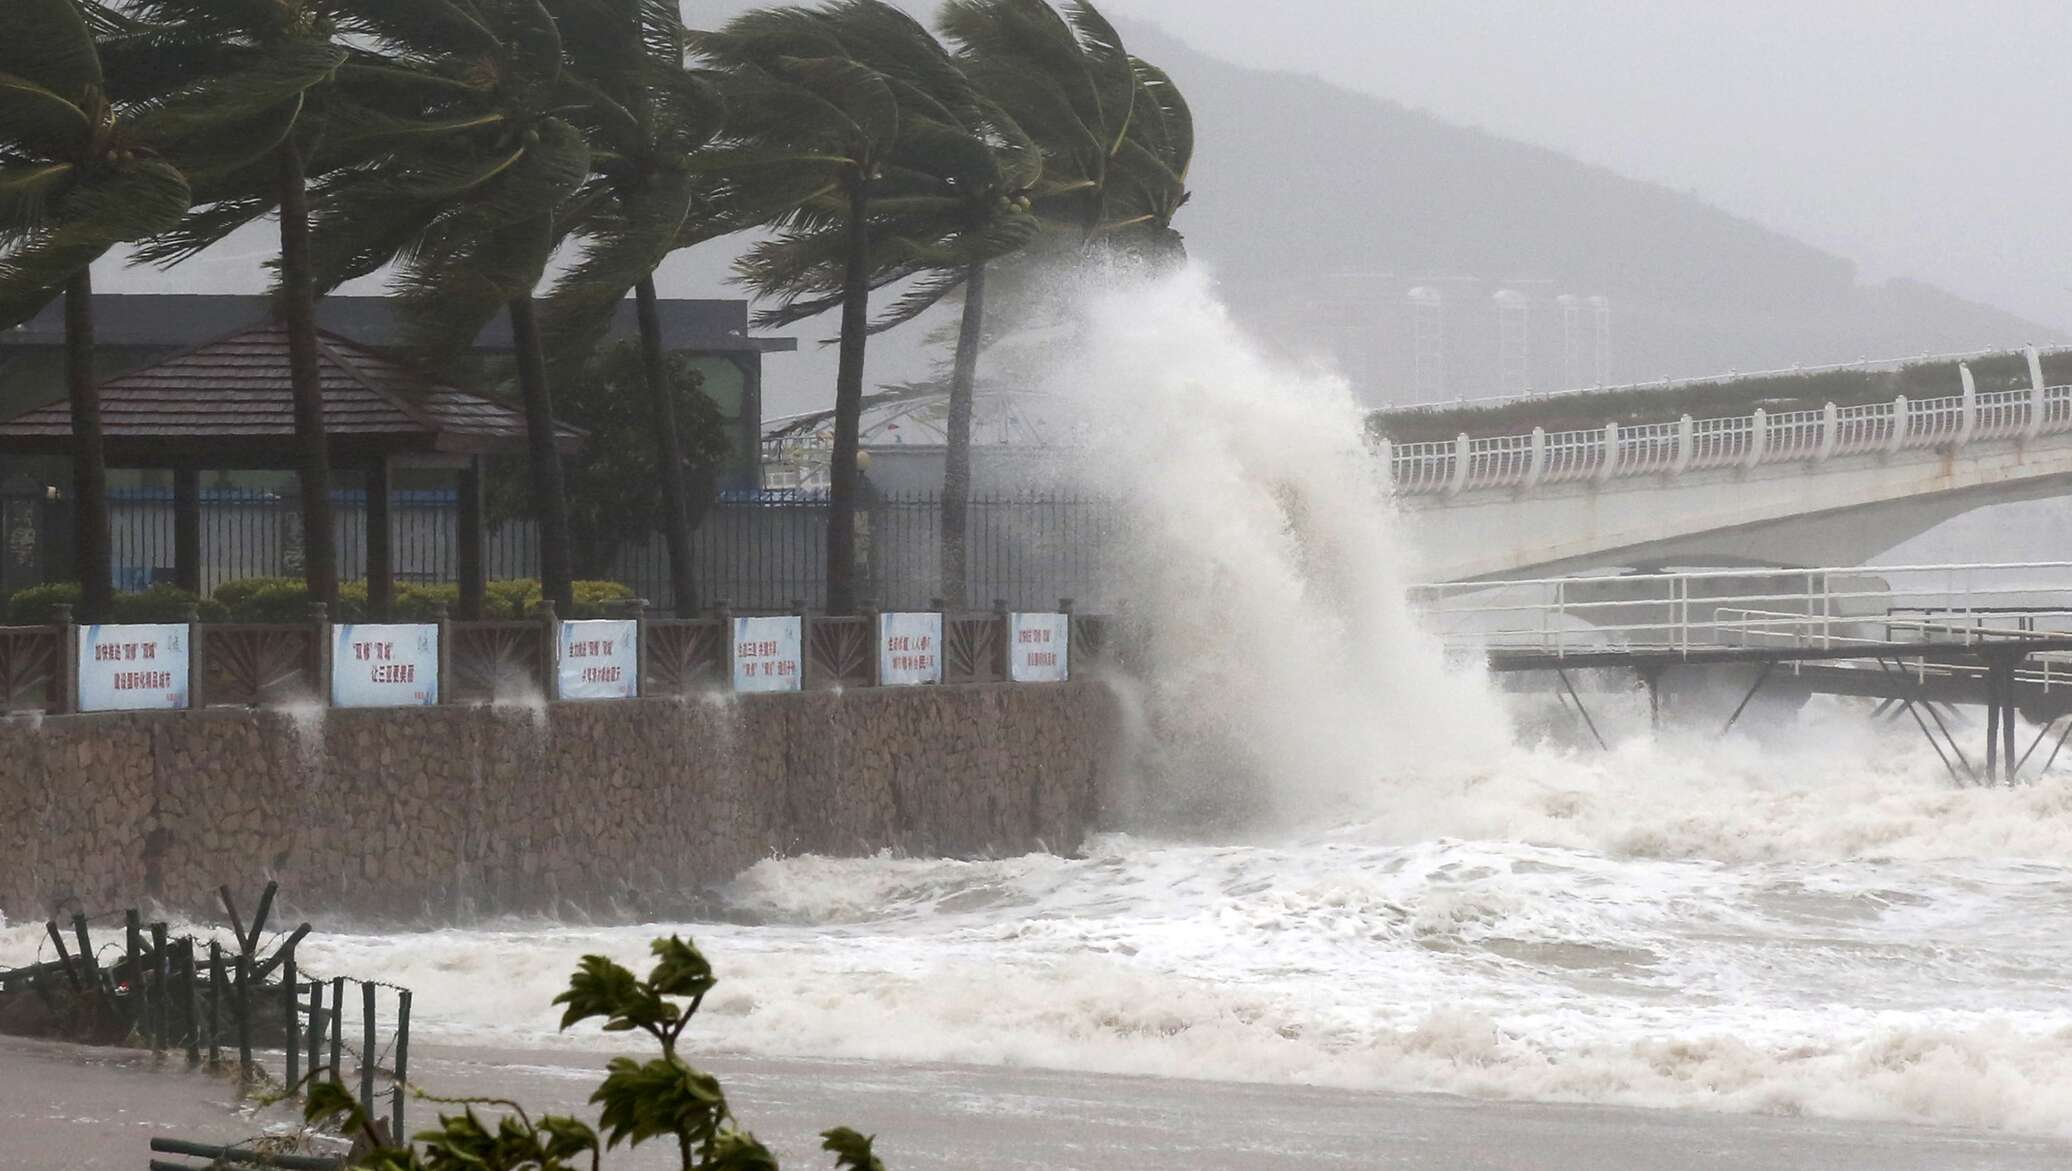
(1803, 487)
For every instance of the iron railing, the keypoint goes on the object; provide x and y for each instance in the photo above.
(763, 552)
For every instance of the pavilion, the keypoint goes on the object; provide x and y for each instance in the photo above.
(229, 405)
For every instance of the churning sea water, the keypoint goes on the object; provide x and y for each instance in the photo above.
(1346, 865)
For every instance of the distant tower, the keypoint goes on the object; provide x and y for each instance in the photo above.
(1513, 341)
(1571, 339)
(1428, 331)
(1601, 330)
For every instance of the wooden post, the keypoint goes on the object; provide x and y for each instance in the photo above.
(72, 971)
(1004, 654)
(197, 660)
(320, 652)
(259, 915)
(193, 1003)
(367, 1048)
(244, 1019)
(396, 1133)
(550, 651)
(155, 988)
(216, 985)
(89, 967)
(291, 1015)
(132, 956)
(381, 562)
(445, 624)
(316, 1026)
(338, 1030)
(474, 578)
(187, 529)
(237, 922)
(64, 682)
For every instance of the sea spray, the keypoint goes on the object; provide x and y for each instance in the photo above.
(1816, 922)
(1261, 564)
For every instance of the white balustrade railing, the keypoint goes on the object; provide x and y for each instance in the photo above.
(1828, 608)
(1687, 444)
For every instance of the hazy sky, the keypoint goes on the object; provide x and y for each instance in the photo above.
(1918, 139)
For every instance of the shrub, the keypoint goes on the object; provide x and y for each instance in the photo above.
(594, 598)
(234, 594)
(661, 1098)
(515, 598)
(31, 606)
(520, 598)
(165, 603)
(420, 602)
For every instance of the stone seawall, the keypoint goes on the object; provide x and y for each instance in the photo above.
(607, 807)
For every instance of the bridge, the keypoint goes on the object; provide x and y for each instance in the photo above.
(1838, 484)
(1922, 639)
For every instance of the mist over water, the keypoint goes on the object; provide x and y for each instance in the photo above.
(1284, 676)
(1348, 864)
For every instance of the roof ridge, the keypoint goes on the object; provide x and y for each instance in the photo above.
(175, 356)
(327, 349)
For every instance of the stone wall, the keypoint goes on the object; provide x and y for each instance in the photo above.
(614, 808)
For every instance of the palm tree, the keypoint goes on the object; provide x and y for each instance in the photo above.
(1068, 85)
(972, 173)
(245, 91)
(810, 131)
(76, 179)
(647, 116)
(476, 162)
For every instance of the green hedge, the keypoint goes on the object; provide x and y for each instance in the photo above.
(284, 599)
(160, 603)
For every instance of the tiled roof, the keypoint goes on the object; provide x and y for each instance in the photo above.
(238, 389)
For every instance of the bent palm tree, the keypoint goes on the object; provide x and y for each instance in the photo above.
(244, 91)
(475, 163)
(76, 179)
(647, 117)
(810, 130)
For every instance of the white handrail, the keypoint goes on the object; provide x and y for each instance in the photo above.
(1674, 447)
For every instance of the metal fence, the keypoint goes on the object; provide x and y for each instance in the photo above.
(763, 552)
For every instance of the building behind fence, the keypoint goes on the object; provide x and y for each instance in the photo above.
(761, 552)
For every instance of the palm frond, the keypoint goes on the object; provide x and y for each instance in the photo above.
(138, 200)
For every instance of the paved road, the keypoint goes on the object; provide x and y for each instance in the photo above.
(79, 1110)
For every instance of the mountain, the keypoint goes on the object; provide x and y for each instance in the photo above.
(1321, 209)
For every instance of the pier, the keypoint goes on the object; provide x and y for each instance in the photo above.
(1921, 639)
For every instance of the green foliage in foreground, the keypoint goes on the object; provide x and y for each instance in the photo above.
(662, 1097)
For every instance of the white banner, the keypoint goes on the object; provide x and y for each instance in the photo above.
(600, 659)
(766, 654)
(384, 664)
(909, 649)
(1037, 646)
(131, 667)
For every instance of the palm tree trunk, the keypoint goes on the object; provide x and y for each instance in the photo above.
(549, 503)
(676, 520)
(842, 488)
(298, 309)
(89, 458)
(956, 468)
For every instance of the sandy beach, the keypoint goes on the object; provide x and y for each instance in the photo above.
(65, 1108)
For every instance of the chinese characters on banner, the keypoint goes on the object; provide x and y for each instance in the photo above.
(384, 665)
(909, 649)
(126, 668)
(1036, 648)
(600, 659)
(766, 655)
